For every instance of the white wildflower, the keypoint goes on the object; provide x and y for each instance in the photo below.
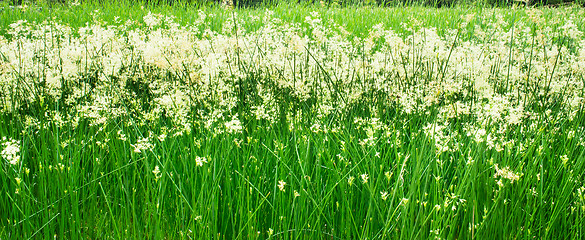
(365, 178)
(157, 173)
(296, 194)
(162, 137)
(507, 174)
(199, 161)
(11, 150)
(384, 195)
(234, 126)
(281, 185)
(350, 180)
(142, 145)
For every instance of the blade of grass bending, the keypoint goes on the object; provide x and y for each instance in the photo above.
(110, 209)
(255, 188)
(328, 77)
(444, 70)
(250, 218)
(47, 223)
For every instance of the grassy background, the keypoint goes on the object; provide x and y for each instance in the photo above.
(85, 181)
(357, 19)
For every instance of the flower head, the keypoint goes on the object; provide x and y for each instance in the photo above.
(11, 151)
(281, 185)
(200, 160)
(365, 178)
(157, 173)
(384, 195)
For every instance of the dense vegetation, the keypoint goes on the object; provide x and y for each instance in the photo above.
(291, 121)
(328, 3)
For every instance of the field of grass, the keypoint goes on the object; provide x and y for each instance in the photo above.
(291, 122)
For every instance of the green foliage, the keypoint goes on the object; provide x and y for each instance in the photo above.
(396, 153)
(329, 3)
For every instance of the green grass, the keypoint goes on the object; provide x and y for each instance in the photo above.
(106, 190)
(358, 20)
(418, 150)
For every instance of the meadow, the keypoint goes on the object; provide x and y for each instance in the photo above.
(292, 121)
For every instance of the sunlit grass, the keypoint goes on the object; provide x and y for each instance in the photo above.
(298, 122)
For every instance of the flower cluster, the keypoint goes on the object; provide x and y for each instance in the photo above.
(11, 151)
(506, 173)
